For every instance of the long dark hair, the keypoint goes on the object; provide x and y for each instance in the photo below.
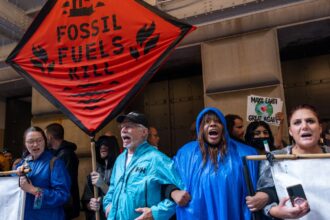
(113, 152)
(206, 150)
(249, 134)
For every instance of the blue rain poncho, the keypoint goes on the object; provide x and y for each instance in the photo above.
(55, 186)
(220, 193)
(139, 184)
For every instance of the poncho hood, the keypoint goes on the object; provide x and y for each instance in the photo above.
(219, 114)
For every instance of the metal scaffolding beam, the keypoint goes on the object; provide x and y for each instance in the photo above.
(14, 15)
(13, 20)
(5, 51)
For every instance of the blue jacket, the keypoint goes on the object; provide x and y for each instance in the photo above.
(139, 184)
(55, 187)
(220, 193)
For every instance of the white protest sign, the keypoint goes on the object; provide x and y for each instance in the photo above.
(12, 199)
(261, 108)
(313, 175)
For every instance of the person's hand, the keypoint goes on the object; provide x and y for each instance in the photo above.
(107, 210)
(97, 179)
(26, 185)
(180, 197)
(17, 161)
(257, 202)
(282, 211)
(20, 170)
(94, 204)
(146, 214)
(280, 117)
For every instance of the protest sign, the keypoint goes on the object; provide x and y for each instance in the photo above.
(313, 175)
(90, 58)
(12, 199)
(261, 108)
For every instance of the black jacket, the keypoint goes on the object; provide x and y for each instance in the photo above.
(66, 152)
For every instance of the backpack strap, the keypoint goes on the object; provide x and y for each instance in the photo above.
(51, 163)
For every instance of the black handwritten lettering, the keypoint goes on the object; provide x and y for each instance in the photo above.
(60, 32)
(105, 24)
(96, 74)
(90, 51)
(84, 94)
(61, 54)
(114, 22)
(85, 68)
(73, 73)
(84, 29)
(74, 56)
(101, 46)
(257, 100)
(95, 28)
(271, 101)
(91, 101)
(106, 69)
(270, 119)
(72, 32)
(254, 118)
(91, 107)
(88, 85)
(115, 43)
(95, 70)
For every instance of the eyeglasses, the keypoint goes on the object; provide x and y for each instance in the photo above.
(130, 125)
(32, 141)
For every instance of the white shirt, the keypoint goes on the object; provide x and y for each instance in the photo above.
(128, 159)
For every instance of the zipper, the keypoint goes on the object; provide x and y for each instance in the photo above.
(146, 193)
(121, 187)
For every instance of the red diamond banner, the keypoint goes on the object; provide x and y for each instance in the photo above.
(90, 57)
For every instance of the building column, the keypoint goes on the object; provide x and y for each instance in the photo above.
(238, 66)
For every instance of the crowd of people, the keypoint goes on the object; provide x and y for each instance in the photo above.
(204, 180)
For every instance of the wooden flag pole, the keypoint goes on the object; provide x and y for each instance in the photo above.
(289, 156)
(96, 192)
(10, 172)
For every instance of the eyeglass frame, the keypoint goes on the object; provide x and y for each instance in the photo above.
(37, 141)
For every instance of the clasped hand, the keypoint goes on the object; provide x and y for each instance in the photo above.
(97, 179)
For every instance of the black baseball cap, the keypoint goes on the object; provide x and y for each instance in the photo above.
(134, 117)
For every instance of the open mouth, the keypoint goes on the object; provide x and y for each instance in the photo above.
(104, 151)
(125, 137)
(35, 150)
(306, 135)
(213, 133)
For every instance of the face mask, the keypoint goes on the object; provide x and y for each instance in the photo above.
(258, 143)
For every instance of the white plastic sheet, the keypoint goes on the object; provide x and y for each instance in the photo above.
(12, 199)
(314, 176)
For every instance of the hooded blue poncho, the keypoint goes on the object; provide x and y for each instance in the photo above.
(220, 193)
